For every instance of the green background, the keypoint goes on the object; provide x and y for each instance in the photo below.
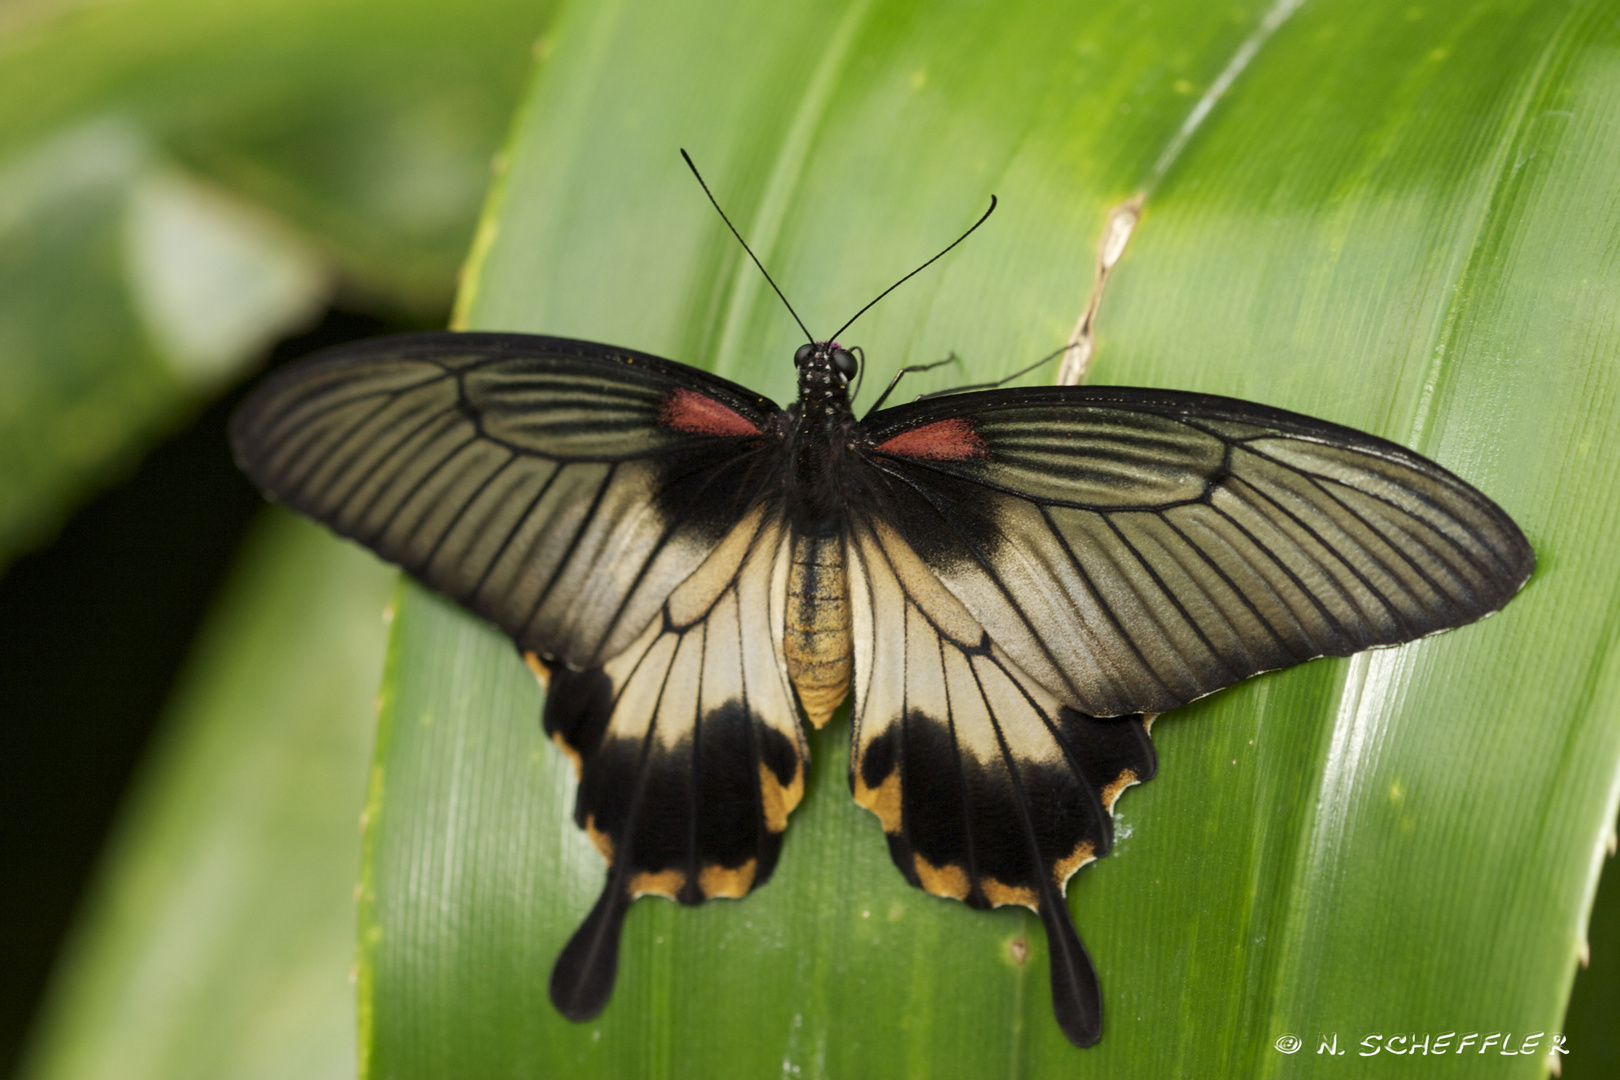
(1395, 216)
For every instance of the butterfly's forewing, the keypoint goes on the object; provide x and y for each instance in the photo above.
(990, 789)
(558, 488)
(611, 511)
(1133, 550)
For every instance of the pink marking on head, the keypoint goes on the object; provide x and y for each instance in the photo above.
(688, 410)
(943, 440)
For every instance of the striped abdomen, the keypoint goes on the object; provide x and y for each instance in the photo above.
(817, 642)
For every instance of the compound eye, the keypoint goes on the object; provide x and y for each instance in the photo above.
(805, 352)
(844, 361)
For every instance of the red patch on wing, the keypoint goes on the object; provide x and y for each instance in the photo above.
(943, 440)
(688, 410)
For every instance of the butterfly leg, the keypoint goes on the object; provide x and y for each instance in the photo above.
(999, 382)
(1117, 231)
(910, 369)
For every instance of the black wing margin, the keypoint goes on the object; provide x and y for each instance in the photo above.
(519, 475)
(1133, 550)
(990, 790)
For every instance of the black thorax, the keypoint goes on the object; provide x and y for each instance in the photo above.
(817, 442)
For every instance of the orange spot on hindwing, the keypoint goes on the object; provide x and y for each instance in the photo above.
(731, 882)
(1111, 793)
(602, 841)
(776, 800)
(1065, 868)
(883, 800)
(541, 671)
(573, 755)
(665, 883)
(1000, 895)
(951, 881)
(943, 440)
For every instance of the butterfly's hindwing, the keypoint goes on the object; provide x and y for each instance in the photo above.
(688, 747)
(1133, 550)
(990, 790)
(557, 488)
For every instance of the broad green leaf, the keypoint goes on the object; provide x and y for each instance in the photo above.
(1595, 1001)
(367, 125)
(183, 182)
(219, 938)
(1395, 217)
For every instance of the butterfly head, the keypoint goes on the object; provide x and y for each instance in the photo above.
(826, 369)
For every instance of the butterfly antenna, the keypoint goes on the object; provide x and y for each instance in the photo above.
(808, 336)
(911, 275)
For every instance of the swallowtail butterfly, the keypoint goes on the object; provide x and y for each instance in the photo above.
(1009, 582)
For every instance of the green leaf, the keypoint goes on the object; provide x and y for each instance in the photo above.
(128, 292)
(1596, 999)
(367, 125)
(1395, 217)
(219, 936)
(183, 182)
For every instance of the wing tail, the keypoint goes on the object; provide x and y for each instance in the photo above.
(688, 752)
(582, 979)
(1076, 995)
(989, 789)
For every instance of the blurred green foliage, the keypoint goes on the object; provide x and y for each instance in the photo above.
(184, 181)
(218, 944)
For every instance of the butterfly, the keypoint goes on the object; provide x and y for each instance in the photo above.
(1009, 583)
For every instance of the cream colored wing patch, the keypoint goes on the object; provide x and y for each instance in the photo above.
(689, 749)
(989, 789)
